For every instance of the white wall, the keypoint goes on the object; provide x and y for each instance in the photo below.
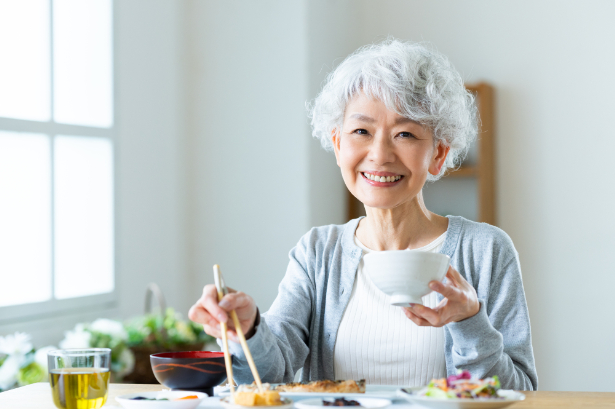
(152, 154)
(249, 167)
(552, 65)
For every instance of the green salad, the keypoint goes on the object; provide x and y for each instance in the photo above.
(462, 386)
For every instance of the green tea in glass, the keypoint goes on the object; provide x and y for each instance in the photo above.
(79, 378)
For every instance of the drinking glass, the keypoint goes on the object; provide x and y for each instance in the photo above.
(79, 378)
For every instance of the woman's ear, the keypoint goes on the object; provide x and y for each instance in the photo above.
(440, 154)
(335, 139)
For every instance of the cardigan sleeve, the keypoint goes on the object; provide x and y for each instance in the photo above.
(497, 340)
(280, 345)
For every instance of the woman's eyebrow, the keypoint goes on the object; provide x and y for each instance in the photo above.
(362, 117)
(404, 120)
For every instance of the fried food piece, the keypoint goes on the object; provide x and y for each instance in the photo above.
(268, 398)
(248, 395)
(245, 398)
(326, 386)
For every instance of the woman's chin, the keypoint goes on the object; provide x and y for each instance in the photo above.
(380, 205)
(390, 203)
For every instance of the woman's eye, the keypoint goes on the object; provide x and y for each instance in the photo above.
(406, 135)
(360, 131)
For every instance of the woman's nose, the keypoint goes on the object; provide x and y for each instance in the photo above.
(381, 151)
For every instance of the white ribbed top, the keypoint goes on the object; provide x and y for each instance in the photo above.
(378, 343)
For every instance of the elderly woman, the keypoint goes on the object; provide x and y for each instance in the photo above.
(396, 115)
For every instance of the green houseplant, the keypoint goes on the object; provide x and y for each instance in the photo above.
(161, 331)
(153, 333)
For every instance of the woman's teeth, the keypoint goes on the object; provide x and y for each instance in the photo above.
(376, 178)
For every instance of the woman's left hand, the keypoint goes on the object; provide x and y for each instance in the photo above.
(460, 302)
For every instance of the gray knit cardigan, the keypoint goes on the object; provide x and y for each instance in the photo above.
(300, 328)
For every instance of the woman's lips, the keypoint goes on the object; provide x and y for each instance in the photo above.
(372, 178)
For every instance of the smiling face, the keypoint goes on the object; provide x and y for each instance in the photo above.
(384, 157)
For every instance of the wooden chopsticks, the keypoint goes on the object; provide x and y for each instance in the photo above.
(227, 356)
(222, 291)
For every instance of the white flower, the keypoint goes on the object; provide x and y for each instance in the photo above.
(77, 338)
(40, 357)
(9, 369)
(109, 327)
(126, 363)
(19, 344)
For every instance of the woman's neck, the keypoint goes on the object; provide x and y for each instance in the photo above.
(407, 226)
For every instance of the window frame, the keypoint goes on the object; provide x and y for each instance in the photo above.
(90, 303)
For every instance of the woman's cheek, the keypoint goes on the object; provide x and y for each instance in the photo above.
(348, 163)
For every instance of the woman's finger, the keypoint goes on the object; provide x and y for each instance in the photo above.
(232, 336)
(212, 330)
(211, 321)
(194, 314)
(198, 314)
(233, 301)
(441, 304)
(456, 277)
(432, 317)
(416, 319)
(450, 280)
(216, 332)
(209, 301)
(447, 290)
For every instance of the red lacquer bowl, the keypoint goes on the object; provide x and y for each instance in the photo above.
(189, 371)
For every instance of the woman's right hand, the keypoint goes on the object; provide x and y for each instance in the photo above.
(209, 312)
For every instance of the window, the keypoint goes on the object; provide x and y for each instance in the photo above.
(56, 156)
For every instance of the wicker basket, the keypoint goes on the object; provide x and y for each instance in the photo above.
(142, 373)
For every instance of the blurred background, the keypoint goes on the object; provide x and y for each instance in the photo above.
(146, 140)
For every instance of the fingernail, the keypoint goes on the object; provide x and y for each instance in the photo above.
(223, 304)
(222, 317)
(433, 286)
(412, 305)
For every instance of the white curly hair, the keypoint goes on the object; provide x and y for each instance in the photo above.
(412, 80)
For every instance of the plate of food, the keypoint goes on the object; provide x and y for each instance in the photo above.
(320, 403)
(251, 396)
(336, 389)
(161, 400)
(462, 391)
(331, 389)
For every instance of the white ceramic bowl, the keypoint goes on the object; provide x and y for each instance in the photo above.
(405, 274)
